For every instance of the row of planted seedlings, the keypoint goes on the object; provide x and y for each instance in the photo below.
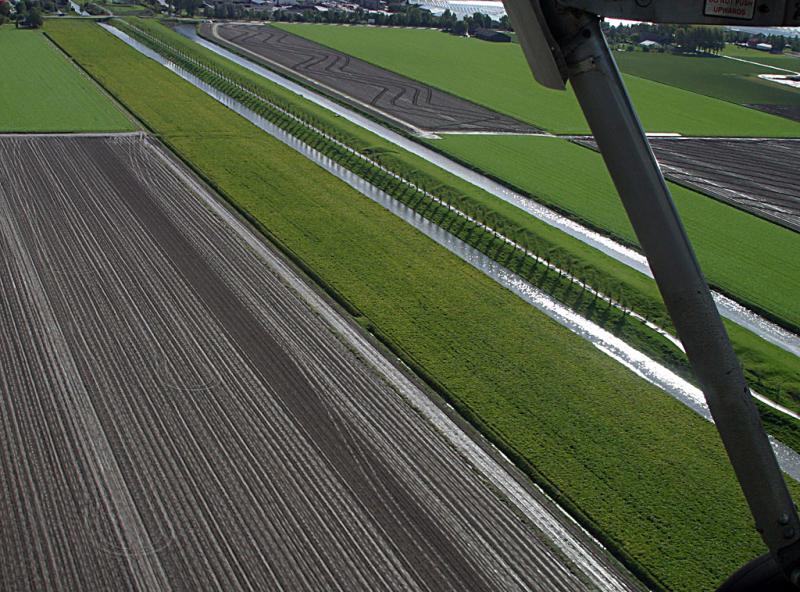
(555, 272)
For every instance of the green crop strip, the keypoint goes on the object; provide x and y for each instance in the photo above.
(638, 468)
(770, 370)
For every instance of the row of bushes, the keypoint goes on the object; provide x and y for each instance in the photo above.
(290, 116)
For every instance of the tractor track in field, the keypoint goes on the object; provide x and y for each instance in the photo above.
(409, 103)
(181, 413)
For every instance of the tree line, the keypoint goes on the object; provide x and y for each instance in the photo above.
(686, 39)
(408, 15)
(28, 13)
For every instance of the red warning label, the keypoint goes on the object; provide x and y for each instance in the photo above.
(739, 9)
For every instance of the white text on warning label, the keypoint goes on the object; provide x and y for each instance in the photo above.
(741, 9)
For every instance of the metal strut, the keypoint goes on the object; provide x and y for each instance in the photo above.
(581, 55)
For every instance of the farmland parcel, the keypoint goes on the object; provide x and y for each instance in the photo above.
(637, 465)
(183, 414)
(714, 76)
(385, 94)
(41, 91)
(770, 370)
(496, 75)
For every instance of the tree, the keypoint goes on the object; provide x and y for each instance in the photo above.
(22, 14)
(447, 21)
(482, 21)
(682, 39)
(34, 19)
(459, 28)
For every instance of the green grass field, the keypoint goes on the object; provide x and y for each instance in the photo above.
(640, 466)
(497, 76)
(713, 76)
(41, 91)
(778, 60)
(741, 254)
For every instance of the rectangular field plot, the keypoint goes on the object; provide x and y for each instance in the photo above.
(497, 76)
(41, 91)
(743, 255)
(180, 412)
(713, 76)
(758, 176)
(384, 93)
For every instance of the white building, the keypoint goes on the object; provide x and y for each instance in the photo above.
(650, 44)
(462, 8)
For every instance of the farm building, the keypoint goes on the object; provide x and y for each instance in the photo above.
(492, 35)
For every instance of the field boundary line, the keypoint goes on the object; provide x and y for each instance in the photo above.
(760, 64)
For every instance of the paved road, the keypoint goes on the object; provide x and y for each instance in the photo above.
(180, 413)
(394, 97)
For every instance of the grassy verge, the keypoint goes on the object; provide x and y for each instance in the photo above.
(40, 91)
(635, 466)
(497, 76)
(770, 370)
